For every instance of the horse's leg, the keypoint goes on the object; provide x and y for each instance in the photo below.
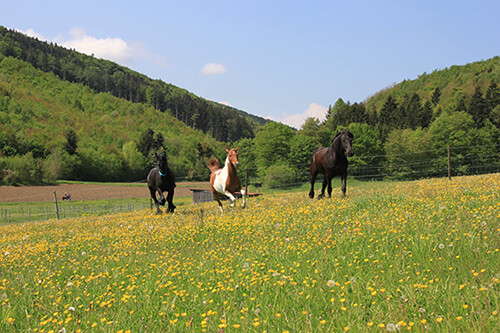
(216, 197)
(314, 173)
(231, 197)
(330, 186)
(344, 183)
(162, 199)
(170, 197)
(323, 186)
(153, 196)
(244, 195)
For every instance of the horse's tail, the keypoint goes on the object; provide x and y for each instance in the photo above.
(213, 164)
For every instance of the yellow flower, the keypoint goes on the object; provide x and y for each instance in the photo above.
(323, 322)
(370, 324)
(439, 319)
(459, 318)
(10, 320)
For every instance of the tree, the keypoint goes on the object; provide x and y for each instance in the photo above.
(272, 145)
(146, 142)
(477, 108)
(492, 96)
(367, 146)
(435, 96)
(406, 149)
(301, 150)
(135, 162)
(71, 142)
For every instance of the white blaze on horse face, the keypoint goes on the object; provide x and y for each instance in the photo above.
(221, 178)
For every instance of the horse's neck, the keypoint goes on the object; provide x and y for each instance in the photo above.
(336, 145)
(229, 167)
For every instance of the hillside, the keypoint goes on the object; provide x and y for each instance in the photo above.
(37, 110)
(222, 122)
(455, 84)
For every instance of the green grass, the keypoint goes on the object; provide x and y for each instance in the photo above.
(419, 256)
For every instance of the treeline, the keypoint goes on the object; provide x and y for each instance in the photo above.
(403, 139)
(51, 129)
(221, 122)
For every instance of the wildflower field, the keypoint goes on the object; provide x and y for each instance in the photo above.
(402, 256)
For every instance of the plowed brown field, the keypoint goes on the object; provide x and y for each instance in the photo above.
(86, 192)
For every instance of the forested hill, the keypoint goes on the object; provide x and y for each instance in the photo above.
(222, 122)
(449, 89)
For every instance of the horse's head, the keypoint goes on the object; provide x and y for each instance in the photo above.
(346, 141)
(161, 161)
(232, 156)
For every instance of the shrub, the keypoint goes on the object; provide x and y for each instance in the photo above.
(279, 176)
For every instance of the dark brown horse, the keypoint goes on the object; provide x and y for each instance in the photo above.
(225, 181)
(332, 161)
(161, 179)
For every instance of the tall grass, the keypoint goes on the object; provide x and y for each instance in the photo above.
(392, 256)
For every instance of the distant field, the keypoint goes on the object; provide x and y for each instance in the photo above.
(87, 191)
(408, 256)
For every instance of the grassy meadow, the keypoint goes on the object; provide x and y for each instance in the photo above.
(403, 256)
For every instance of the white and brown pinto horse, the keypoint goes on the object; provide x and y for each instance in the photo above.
(225, 181)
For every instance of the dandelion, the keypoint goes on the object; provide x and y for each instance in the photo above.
(441, 246)
(439, 319)
(391, 328)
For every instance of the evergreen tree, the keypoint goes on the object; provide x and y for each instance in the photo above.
(146, 142)
(492, 96)
(436, 95)
(426, 116)
(477, 108)
(388, 113)
(71, 142)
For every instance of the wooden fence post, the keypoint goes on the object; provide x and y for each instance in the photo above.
(449, 163)
(55, 202)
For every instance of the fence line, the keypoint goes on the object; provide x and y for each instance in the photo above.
(436, 165)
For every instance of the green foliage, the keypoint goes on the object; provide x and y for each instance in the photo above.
(39, 109)
(277, 176)
(272, 145)
(223, 122)
(367, 146)
(136, 166)
(406, 150)
(21, 169)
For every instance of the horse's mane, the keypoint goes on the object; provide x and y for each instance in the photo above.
(336, 136)
(213, 164)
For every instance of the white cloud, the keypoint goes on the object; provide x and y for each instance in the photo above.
(225, 103)
(211, 69)
(114, 49)
(32, 33)
(297, 120)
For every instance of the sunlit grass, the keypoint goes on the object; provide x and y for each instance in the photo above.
(393, 256)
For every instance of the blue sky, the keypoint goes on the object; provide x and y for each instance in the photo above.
(286, 60)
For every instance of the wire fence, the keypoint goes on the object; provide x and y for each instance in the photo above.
(45, 211)
(449, 162)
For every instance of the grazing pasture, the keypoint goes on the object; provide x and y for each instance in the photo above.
(390, 256)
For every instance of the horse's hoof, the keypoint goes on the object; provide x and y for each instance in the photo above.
(159, 212)
(311, 195)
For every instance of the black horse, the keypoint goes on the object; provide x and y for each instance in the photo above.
(332, 161)
(161, 179)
